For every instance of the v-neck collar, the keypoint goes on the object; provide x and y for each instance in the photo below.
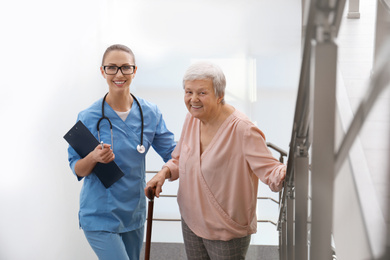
(133, 118)
(215, 137)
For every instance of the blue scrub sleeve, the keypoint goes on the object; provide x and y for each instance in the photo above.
(73, 157)
(163, 142)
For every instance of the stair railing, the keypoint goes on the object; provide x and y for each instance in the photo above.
(306, 203)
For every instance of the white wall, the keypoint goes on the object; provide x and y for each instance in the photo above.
(50, 56)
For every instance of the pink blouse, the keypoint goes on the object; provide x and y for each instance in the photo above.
(218, 190)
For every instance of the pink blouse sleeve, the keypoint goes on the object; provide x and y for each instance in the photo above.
(173, 164)
(260, 159)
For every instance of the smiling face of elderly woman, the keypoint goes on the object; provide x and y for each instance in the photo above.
(201, 100)
(204, 86)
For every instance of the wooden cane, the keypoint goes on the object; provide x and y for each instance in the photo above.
(150, 195)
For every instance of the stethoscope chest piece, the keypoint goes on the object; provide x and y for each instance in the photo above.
(141, 148)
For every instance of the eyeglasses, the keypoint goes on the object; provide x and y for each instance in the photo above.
(113, 70)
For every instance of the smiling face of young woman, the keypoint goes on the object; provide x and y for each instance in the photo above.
(201, 100)
(118, 82)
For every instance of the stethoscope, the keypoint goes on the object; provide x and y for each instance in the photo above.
(140, 147)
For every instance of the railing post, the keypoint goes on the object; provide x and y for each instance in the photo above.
(323, 127)
(301, 201)
(283, 238)
(382, 27)
(387, 250)
(382, 32)
(353, 9)
(290, 223)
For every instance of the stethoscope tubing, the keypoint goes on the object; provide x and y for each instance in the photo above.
(140, 147)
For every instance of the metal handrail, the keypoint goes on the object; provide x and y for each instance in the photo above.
(259, 198)
(278, 149)
(301, 123)
(301, 115)
(175, 219)
(300, 129)
(300, 136)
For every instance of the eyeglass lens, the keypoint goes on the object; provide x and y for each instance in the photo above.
(112, 70)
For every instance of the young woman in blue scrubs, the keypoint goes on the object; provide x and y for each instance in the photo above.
(113, 218)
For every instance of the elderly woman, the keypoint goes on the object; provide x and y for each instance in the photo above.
(219, 158)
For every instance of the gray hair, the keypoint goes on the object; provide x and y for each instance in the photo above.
(207, 70)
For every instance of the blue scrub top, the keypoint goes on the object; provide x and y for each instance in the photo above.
(121, 207)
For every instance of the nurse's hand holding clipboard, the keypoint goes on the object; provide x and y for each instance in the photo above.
(102, 154)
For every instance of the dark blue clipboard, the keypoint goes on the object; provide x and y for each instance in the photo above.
(83, 142)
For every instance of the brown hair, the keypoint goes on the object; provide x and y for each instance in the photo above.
(118, 47)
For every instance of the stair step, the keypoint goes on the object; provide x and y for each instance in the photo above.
(176, 251)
